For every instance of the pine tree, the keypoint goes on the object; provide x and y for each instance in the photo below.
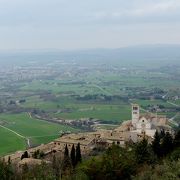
(73, 156)
(78, 153)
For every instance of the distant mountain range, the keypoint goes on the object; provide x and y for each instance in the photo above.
(170, 53)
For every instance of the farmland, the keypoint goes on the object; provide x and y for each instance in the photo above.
(40, 101)
(10, 142)
(35, 130)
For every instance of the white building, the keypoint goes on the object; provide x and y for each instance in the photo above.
(142, 124)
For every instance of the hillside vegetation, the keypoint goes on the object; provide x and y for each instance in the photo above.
(141, 161)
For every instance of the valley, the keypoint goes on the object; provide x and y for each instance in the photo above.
(45, 95)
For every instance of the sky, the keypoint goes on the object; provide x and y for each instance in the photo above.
(79, 24)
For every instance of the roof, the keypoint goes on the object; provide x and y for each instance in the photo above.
(83, 139)
(150, 116)
(31, 161)
(134, 104)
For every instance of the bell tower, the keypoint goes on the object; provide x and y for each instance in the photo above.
(135, 114)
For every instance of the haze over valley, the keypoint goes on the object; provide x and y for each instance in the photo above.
(89, 90)
(75, 91)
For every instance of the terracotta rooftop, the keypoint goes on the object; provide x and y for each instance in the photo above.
(151, 116)
(77, 138)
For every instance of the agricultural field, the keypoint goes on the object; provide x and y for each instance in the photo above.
(106, 113)
(47, 88)
(28, 128)
(177, 102)
(9, 142)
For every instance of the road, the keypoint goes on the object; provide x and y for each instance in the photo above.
(173, 104)
(172, 120)
(100, 88)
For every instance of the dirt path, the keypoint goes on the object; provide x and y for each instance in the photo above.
(100, 88)
(19, 135)
(173, 104)
(13, 132)
(172, 120)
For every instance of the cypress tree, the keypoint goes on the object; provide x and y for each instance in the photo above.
(66, 152)
(177, 139)
(142, 152)
(167, 144)
(9, 160)
(162, 134)
(73, 156)
(156, 144)
(66, 161)
(56, 168)
(25, 155)
(78, 153)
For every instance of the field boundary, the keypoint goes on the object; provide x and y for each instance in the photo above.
(17, 134)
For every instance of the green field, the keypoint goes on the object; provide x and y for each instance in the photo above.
(9, 142)
(95, 88)
(177, 102)
(113, 113)
(145, 103)
(37, 131)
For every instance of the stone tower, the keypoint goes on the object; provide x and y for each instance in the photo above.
(135, 114)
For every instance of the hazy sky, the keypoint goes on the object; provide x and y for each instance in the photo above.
(73, 24)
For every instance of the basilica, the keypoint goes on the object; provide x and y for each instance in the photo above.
(148, 123)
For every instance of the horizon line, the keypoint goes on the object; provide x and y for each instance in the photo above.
(84, 49)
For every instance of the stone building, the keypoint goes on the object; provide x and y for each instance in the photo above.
(147, 124)
(134, 130)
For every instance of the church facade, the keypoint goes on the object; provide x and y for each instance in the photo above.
(145, 123)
